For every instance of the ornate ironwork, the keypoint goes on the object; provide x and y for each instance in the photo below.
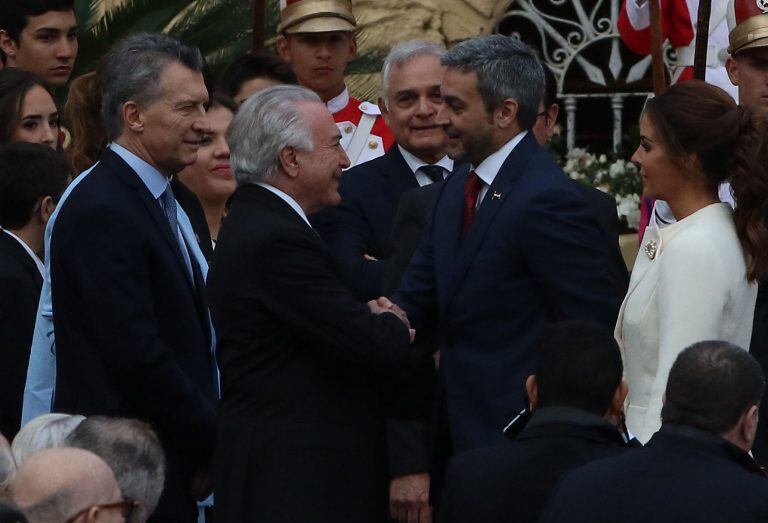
(580, 43)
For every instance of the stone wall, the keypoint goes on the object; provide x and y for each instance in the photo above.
(447, 21)
(385, 22)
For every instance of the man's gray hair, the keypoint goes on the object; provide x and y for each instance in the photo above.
(132, 70)
(7, 467)
(44, 432)
(133, 452)
(268, 122)
(505, 68)
(402, 53)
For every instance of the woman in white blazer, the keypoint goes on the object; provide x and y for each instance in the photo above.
(695, 279)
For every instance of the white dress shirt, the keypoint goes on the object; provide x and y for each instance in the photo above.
(489, 168)
(415, 164)
(287, 199)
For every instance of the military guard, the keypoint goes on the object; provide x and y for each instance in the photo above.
(678, 25)
(748, 21)
(317, 38)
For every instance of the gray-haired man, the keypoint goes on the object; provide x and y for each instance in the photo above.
(133, 452)
(301, 423)
(133, 336)
(364, 234)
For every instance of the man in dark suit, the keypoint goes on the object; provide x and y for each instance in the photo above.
(577, 396)
(301, 418)
(359, 234)
(133, 334)
(697, 467)
(603, 205)
(32, 178)
(509, 249)
(414, 205)
(407, 230)
(359, 230)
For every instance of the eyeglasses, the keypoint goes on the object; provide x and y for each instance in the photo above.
(543, 113)
(127, 506)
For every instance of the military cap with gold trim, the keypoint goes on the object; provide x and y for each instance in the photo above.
(316, 16)
(748, 23)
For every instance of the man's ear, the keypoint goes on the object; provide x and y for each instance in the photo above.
(289, 162)
(384, 111)
(47, 206)
(8, 44)
(532, 388)
(742, 434)
(552, 113)
(617, 403)
(616, 407)
(282, 48)
(132, 117)
(506, 115)
(749, 426)
(732, 67)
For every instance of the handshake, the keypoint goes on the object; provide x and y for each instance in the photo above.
(383, 305)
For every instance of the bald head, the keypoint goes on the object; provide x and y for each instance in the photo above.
(55, 484)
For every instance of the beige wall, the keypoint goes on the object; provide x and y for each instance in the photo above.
(385, 22)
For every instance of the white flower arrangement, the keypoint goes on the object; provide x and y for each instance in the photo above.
(610, 174)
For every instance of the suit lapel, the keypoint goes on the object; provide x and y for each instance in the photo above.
(131, 179)
(448, 218)
(399, 176)
(255, 194)
(643, 265)
(494, 199)
(12, 247)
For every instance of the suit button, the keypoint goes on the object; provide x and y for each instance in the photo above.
(348, 129)
(373, 144)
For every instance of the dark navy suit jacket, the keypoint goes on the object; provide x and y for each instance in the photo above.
(533, 256)
(362, 223)
(20, 285)
(512, 481)
(132, 331)
(682, 474)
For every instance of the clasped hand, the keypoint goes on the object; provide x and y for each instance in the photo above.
(384, 304)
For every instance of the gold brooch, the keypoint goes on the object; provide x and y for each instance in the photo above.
(650, 249)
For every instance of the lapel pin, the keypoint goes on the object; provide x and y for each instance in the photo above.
(496, 195)
(650, 249)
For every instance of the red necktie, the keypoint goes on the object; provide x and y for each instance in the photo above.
(471, 190)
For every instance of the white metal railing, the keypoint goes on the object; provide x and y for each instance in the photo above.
(565, 32)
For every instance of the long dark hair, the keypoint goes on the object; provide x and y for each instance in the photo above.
(14, 86)
(82, 114)
(730, 144)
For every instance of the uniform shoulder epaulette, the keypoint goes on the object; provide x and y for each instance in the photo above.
(369, 108)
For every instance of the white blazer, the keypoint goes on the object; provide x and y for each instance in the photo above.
(688, 285)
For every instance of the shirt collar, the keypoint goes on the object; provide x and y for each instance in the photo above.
(339, 102)
(489, 168)
(415, 163)
(155, 181)
(287, 199)
(35, 257)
